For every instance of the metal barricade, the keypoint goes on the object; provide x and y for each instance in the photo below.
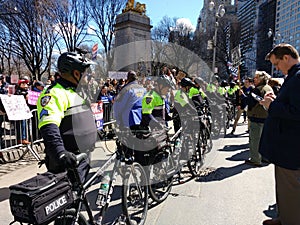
(108, 122)
(11, 133)
(14, 133)
(107, 112)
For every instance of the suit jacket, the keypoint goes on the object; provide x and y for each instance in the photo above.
(280, 141)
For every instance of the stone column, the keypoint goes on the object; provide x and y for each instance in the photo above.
(132, 41)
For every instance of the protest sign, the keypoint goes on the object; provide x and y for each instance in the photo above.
(97, 109)
(16, 107)
(117, 75)
(33, 97)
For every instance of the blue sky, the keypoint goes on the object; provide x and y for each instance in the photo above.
(157, 9)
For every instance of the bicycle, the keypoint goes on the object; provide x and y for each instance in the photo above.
(205, 129)
(134, 194)
(218, 118)
(230, 114)
(193, 143)
(150, 151)
(183, 148)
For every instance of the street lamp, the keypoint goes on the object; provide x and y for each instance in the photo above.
(275, 37)
(219, 13)
(274, 42)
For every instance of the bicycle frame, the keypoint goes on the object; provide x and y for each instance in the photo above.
(83, 187)
(121, 166)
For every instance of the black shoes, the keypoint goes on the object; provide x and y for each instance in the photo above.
(272, 222)
(249, 162)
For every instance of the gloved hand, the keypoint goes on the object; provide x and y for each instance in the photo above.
(68, 159)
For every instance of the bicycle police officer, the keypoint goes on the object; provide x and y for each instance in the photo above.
(128, 103)
(65, 119)
(197, 96)
(154, 114)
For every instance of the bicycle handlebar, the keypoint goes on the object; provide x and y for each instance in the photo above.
(80, 157)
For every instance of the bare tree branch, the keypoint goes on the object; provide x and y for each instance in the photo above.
(104, 14)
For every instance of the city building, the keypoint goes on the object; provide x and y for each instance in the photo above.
(260, 25)
(287, 26)
(247, 16)
(266, 37)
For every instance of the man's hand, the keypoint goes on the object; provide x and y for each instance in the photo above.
(268, 99)
(68, 159)
(241, 92)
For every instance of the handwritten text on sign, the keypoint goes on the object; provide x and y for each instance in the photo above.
(16, 107)
(97, 109)
(33, 97)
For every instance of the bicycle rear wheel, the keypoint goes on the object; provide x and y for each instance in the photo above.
(67, 217)
(135, 195)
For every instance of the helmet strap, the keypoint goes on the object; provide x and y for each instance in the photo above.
(159, 89)
(76, 77)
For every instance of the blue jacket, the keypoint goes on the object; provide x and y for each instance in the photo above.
(128, 105)
(280, 138)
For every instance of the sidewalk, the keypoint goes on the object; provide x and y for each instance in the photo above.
(233, 194)
(229, 192)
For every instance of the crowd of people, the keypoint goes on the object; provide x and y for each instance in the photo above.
(270, 108)
(23, 85)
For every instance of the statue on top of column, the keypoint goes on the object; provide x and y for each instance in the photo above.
(139, 7)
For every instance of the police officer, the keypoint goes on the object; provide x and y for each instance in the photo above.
(232, 93)
(182, 106)
(222, 89)
(65, 119)
(128, 103)
(197, 96)
(153, 104)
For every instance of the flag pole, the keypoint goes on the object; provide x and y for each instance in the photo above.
(239, 75)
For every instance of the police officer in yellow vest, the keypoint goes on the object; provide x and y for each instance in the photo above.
(211, 88)
(197, 96)
(232, 93)
(65, 119)
(153, 105)
(224, 86)
(182, 106)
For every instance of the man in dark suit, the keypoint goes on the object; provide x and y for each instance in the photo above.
(280, 138)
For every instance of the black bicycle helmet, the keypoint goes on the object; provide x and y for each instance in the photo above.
(224, 83)
(199, 80)
(186, 82)
(165, 82)
(70, 61)
(232, 84)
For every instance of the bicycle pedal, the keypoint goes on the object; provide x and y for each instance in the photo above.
(121, 220)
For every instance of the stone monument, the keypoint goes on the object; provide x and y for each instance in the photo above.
(133, 38)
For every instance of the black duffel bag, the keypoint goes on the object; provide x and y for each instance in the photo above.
(154, 145)
(40, 199)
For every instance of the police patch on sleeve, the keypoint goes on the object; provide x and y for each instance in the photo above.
(148, 100)
(45, 100)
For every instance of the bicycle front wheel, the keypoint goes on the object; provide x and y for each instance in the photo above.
(135, 195)
(68, 216)
(196, 161)
(160, 184)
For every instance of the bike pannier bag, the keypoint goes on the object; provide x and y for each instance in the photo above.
(40, 199)
(156, 142)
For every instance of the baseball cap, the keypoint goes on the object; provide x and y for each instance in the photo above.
(39, 83)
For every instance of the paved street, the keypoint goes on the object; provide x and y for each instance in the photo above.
(228, 192)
